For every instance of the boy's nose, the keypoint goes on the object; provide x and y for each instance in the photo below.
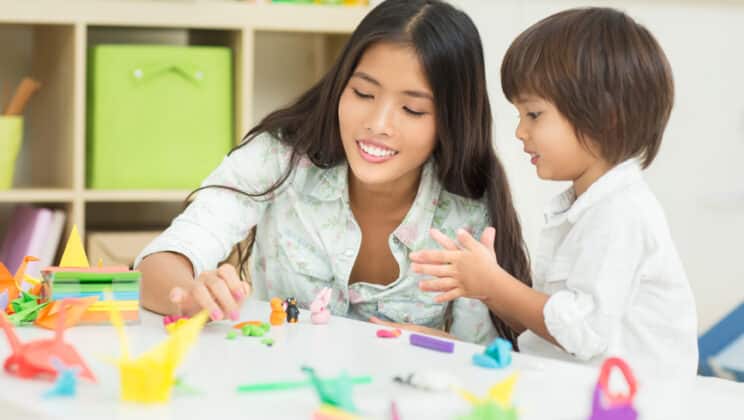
(520, 133)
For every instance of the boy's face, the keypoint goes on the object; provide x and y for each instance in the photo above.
(550, 140)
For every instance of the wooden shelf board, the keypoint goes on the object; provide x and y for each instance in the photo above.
(213, 15)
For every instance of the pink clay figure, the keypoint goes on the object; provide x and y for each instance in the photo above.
(319, 307)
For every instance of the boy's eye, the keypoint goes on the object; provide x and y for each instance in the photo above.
(534, 115)
(412, 112)
(362, 95)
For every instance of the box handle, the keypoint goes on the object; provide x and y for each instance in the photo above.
(145, 73)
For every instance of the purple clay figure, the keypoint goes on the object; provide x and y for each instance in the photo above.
(292, 312)
(617, 412)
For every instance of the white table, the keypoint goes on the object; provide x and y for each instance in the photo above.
(546, 389)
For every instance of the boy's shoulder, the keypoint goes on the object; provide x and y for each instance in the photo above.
(633, 208)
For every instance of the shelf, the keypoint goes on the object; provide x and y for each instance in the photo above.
(279, 51)
(32, 195)
(130, 216)
(214, 15)
(48, 54)
(140, 196)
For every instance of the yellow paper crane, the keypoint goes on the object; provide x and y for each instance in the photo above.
(496, 405)
(149, 378)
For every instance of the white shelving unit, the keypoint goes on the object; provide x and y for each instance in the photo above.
(278, 51)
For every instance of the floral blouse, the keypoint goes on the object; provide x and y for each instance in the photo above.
(307, 238)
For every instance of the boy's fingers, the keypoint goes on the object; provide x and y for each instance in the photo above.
(448, 296)
(438, 285)
(433, 256)
(488, 237)
(435, 270)
(443, 240)
(467, 240)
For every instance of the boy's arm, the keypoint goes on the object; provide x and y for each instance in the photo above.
(518, 304)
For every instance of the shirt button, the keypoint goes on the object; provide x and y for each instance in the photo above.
(349, 252)
(406, 318)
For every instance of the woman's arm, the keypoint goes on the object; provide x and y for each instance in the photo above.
(161, 272)
(180, 265)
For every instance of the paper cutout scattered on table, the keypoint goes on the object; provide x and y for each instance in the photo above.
(3, 300)
(25, 309)
(496, 405)
(289, 385)
(336, 393)
(149, 378)
(329, 412)
(67, 379)
(33, 359)
(611, 406)
(74, 254)
(73, 278)
(10, 284)
(74, 310)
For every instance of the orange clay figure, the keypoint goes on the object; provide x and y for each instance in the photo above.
(277, 312)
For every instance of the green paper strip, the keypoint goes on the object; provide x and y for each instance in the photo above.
(282, 386)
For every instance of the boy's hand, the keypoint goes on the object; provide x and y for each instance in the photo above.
(467, 270)
(220, 292)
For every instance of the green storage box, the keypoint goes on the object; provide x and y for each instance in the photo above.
(159, 117)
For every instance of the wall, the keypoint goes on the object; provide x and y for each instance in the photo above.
(698, 175)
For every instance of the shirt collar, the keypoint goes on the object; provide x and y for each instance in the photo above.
(418, 220)
(334, 185)
(566, 206)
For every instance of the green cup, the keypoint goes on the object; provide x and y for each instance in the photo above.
(11, 133)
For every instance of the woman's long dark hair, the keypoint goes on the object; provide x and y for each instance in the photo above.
(449, 47)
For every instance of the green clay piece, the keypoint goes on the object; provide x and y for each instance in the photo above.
(268, 341)
(232, 335)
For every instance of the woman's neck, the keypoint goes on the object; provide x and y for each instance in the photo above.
(392, 199)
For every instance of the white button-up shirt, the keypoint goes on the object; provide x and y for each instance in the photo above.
(616, 284)
(307, 238)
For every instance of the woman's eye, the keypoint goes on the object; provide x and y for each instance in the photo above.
(412, 112)
(534, 115)
(362, 95)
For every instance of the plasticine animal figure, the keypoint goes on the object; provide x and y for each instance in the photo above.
(319, 307)
(290, 305)
(277, 312)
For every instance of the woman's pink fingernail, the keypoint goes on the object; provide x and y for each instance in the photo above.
(216, 315)
(238, 294)
(235, 315)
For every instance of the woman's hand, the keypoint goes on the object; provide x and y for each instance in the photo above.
(220, 292)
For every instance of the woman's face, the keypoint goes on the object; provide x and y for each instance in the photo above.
(386, 116)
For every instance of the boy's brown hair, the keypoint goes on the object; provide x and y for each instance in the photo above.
(603, 71)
